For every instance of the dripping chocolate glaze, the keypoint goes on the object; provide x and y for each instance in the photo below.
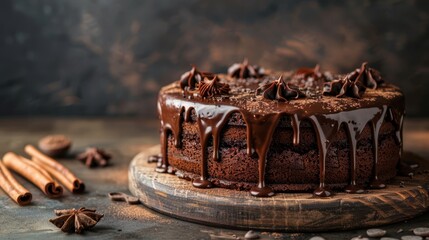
(260, 129)
(327, 115)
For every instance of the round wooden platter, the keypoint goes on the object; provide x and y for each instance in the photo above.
(297, 212)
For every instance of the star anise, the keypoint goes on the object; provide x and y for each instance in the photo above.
(191, 79)
(93, 157)
(280, 90)
(213, 87)
(72, 220)
(245, 70)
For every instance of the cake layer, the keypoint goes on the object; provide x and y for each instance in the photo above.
(289, 167)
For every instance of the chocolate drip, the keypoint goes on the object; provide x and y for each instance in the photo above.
(295, 122)
(399, 135)
(397, 117)
(325, 130)
(171, 124)
(353, 134)
(211, 119)
(327, 126)
(187, 116)
(376, 123)
(260, 130)
(162, 166)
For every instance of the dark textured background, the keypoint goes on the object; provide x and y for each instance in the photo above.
(82, 57)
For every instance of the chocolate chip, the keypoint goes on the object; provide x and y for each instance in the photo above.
(375, 232)
(421, 231)
(317, 238)
(410, 237)
(251, 235)
(414, 166)
(359, 238)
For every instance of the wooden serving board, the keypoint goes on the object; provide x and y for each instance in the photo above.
(297, 212)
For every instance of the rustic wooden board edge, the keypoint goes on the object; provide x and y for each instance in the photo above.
(176, 197)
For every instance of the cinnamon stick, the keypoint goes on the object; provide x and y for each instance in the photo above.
(38, 167)
(16, 191)
(56, 169)
(25, 168)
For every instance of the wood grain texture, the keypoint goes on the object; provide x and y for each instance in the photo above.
(298, 212)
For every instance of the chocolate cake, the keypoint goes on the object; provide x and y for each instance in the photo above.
(267, 132)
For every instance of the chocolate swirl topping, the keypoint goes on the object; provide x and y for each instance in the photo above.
(352, 85)
(245, 70)
(192, 78)
(371, 77)
(212, 87)
(307, 73)
(355, 83)
(346, 87)
(280, 90)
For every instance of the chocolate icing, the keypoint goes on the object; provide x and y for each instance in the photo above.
(280, 90)
(191, 79)
(213, 87)
(245, 70)
(351, 86)
(355, 83)
(262, 117)
(371, 77)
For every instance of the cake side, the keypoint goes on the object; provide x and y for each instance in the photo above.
(289, 167)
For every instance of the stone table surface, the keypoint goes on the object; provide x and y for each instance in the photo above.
(124, 138)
